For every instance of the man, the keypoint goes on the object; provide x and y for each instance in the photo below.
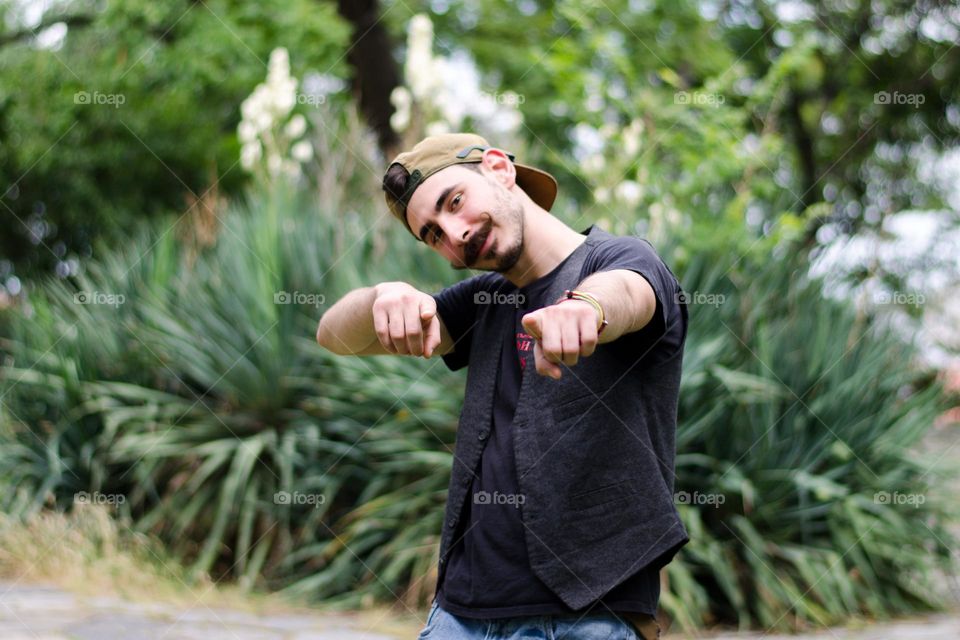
(560, 511)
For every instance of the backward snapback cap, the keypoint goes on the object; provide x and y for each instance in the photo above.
(439, 152)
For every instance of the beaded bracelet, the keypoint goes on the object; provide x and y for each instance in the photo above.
(573, 294)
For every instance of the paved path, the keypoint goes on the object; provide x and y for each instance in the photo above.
(938, 627)
(49, 613)
(31, 612)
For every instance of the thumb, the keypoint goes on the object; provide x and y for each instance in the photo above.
(531, 322)
(428, 308)
(432, 337)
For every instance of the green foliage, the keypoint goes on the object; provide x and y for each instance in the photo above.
(170, 77)
(805, 418)
(749, 107)
(194, 387)
(201, 396)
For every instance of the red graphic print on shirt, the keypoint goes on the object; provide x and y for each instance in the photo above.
(524, 348)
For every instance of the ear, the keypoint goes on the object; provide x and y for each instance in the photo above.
(496, 163)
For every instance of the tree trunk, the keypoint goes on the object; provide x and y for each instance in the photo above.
(375, 73)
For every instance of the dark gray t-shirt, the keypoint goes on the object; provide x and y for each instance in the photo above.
(489, 572)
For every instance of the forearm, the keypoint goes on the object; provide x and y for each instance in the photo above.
(627, 300)
(347, 327)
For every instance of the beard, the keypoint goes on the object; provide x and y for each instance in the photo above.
(509, 216)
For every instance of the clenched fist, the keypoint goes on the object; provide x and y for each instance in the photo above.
(563, 332)
(405, 319)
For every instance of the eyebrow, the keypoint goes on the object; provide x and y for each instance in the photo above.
(443, 196)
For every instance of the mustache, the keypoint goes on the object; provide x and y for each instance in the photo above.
(476, 243)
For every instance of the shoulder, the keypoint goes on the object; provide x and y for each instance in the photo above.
(624, 252)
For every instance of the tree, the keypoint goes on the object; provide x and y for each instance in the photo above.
(132, 113)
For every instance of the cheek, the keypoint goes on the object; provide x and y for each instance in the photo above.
(446, 251)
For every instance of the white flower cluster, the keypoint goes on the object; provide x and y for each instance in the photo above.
(622, 146)
(268, 134)
(442, 92)
(614, 164)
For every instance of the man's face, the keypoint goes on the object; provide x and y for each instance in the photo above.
(470, 218)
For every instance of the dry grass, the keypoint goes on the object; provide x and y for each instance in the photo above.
(90, 554)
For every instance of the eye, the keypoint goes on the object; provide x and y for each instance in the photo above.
(436, 235)
(456, 200)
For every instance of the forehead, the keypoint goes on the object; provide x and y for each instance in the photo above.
(423, 202)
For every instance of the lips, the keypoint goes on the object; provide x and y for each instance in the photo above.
(486, 245)
(479, 253)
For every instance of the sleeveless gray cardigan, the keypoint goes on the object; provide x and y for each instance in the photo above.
(595, 464)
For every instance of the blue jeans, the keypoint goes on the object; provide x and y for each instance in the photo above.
(605, 625)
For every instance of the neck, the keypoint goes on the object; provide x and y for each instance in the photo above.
(546, 243)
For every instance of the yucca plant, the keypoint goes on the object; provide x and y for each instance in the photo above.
(799, 420)
(203, 398)
(62, 340)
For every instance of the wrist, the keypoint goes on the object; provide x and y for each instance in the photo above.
(574, 294)
(386, 287)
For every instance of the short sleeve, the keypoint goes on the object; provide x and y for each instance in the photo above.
(457, 308)
(638, 255)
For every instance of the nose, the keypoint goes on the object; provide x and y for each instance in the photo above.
(458, 231)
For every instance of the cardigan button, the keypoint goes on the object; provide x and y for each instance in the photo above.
(483, 435)
(452, 522)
